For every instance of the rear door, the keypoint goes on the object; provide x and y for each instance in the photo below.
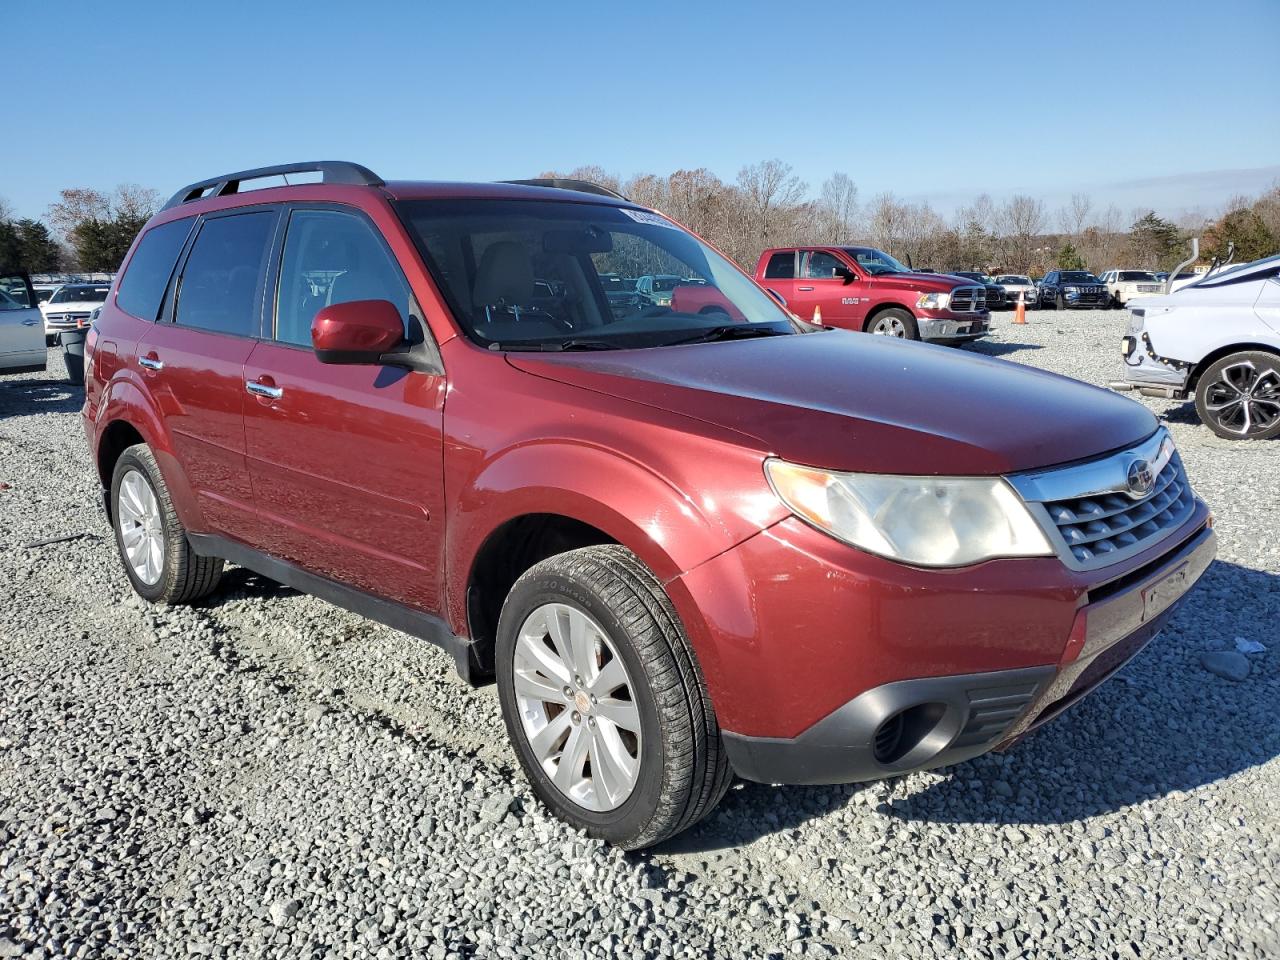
(193, 361)
(780, 274)
(347, 461)
(21, 326)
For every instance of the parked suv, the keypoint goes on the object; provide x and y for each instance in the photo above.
(1217, 340)
(683, 545)
(1125, 285)
(861, 288)
(22, 347)
(1018, 286)
(1072, 288)
(70, 307)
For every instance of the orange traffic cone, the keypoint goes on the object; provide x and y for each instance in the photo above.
(817, 315)
(1020, 311)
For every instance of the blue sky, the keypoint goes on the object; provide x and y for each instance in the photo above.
(1169, 104)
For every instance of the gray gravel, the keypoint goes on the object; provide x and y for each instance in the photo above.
(266, 775)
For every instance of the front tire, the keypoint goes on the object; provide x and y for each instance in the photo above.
(152, 541)
(894, 322)
(603, 699)
(1238, 397)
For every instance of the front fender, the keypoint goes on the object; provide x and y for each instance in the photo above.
(669, 529)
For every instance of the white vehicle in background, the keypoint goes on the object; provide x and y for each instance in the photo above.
(22, 347)
(1017, 285)
(1217, 340)
(1125, 285)
(71, 306)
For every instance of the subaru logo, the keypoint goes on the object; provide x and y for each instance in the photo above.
(1140, 479)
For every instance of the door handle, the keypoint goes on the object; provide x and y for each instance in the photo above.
(151, 363)
(804, 288)
(264, 390)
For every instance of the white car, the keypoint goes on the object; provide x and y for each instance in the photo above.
(71, 306)
(22, 347)
(1016, 285)
(1217, 339)
(1125, 285)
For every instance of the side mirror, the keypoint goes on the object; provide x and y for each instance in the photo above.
(360, 331)
(845, 274)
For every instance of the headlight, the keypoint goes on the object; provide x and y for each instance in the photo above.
(923, 521)
(933, 301)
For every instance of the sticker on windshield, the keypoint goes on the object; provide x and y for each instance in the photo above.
(645, 216)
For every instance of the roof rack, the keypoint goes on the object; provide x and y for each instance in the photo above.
(560, 183)
(331, 171)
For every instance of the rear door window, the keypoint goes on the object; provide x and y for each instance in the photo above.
(781, 266)
(332, 257)
(221, 280)
(143, 284)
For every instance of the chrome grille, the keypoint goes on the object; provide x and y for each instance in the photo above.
(1094, 527)
(968, 299)
(1091, 517)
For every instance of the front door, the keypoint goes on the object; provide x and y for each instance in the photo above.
(821, 284)
(346, 461)
(193, 362)
(21, 327)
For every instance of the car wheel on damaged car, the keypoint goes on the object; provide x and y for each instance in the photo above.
(649, 527)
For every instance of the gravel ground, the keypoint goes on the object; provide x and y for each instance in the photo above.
(265, 775)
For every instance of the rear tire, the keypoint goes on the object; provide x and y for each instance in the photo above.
(1238, 397)
(894, 322)
(650, 783)
(152, 541)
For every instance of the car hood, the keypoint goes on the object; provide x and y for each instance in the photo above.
(849, 401)
(930, 282)
(72, 305)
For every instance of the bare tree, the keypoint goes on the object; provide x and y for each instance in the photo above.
(838, 207)
(1020, 222)
(1074, 217)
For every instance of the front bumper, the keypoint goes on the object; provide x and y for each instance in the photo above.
(1147, 372)
(954, 327)
(1087, 299)
(927, 722)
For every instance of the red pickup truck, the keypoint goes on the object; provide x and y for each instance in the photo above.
(862, 288)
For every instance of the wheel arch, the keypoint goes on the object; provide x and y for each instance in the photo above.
(880, 308)
(1227, 350)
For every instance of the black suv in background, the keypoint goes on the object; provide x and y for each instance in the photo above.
(1073, 288)
(995, 292)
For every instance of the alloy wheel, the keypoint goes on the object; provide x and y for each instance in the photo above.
(141, 527)
(1244, 399)
(577, 706)
(890, 327)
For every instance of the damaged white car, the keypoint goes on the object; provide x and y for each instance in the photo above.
(1217, 340)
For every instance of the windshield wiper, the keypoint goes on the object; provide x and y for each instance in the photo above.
(557, 346)
(729, 331)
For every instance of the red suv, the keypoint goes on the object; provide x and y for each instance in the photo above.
(684, 544)
(862, 288)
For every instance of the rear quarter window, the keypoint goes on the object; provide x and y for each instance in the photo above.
(145, 279)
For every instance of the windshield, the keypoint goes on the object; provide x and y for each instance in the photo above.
(528, 274)
(80, 295)
(1077, 276)
(1013, 280)
(1141, 276)
(875, 261)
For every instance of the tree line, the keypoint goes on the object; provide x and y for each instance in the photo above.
(768, 205)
